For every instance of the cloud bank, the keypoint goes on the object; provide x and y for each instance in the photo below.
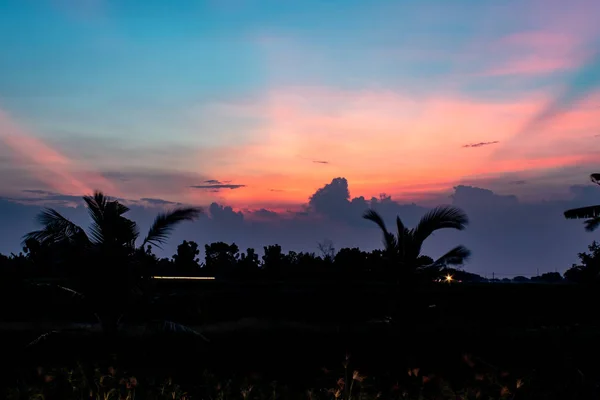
(507, 236)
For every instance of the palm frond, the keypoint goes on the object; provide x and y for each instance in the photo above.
(400, 226)
(595, 178)
(441, 217)
(122, 231)
(62, 289)
(389, 240)
(109, 226)
(132, 231)
(583, 212)
(592, 224)
(96, 205)
(72, 292)
(42, 338)
(165, 223)
(374, 216)
(456, 256)
(56, 229)
(401, 237)
(170, 327)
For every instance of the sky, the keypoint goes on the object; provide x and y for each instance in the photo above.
(249, 108)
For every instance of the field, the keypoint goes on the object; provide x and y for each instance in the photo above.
(543, 333)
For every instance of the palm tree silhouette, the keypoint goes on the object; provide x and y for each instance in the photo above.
(108, 265)
(404, 249)
(592, 213)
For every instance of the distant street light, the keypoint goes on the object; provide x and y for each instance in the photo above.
(185, 277)
(449, 278)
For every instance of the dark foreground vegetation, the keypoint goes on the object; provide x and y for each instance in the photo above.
(83, 318)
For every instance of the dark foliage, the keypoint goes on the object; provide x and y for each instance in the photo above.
(403, 249)
(589, 269)
(104, 267)
(591, 214)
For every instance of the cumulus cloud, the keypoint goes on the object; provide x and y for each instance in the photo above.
(507, 236)
(263, 213)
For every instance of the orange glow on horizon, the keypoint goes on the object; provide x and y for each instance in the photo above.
(380, 141)
(384, 142)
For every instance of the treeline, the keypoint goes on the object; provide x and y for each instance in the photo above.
(222, 261)
(226, 261)
(108, 251)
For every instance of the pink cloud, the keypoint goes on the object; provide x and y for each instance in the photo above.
(535, 53)
(542, 40)
(558, 38)
(532, 65)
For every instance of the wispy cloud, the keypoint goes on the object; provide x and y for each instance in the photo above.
(217, 186)
(320, 162)
(38, 192)
(580, 85)
(532, 65)
(157, 201)
(50, 166)
(533, 53)
(480, 144)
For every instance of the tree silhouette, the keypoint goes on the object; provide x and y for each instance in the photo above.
(548, 277)
(273, 261)
(186, 260)
(591, 213)
(109, 265)
(221, 258)
(589, 269)
(350, 262)
(248, 265)
(403, 250)
(327, 250)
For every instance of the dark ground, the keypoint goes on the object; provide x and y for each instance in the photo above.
(536, 330)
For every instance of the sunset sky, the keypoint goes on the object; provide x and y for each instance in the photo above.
(269, 100)
(252, 109)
